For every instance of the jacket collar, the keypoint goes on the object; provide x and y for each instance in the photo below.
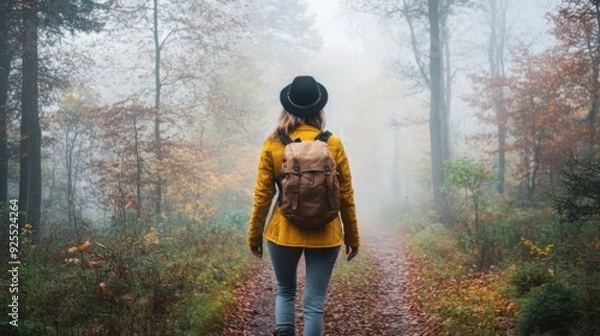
(306, 128)
(304, 132)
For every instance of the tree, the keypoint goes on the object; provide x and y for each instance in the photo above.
(580, 200)
(8, 17)
(577, 27)
(436, 96)
(234, 129)
(188, 39)
(73, 147)
(496, 46)
(30, 185)
(539, 120)
(544, 104)
(120, 167)
(158, 83)
(578, 204)
(54, 17)
(431, 70)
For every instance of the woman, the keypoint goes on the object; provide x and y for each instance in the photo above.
(302, 117)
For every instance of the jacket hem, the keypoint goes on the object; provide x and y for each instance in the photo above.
(303, 245)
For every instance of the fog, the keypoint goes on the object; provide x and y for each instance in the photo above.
(366, 97)
(380, 116)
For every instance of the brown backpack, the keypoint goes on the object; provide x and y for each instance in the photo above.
(309, 189)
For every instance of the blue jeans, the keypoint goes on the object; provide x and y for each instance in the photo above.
(319, 265)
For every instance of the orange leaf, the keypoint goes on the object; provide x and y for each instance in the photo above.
(102, 288)
(85, 245)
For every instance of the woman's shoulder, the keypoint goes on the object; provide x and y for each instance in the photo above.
(334, 138)
(270, 144)
(335, 141)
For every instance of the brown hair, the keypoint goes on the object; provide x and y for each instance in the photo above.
(288, 122)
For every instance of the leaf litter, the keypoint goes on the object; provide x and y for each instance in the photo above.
(378, 299)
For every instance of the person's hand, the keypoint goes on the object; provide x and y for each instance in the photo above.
(351, 252)
(257, 251)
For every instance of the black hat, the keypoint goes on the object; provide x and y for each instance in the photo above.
(304, 97)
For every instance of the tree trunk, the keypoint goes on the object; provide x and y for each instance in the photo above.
(445, 102)
(496, 62)
(69, 168)
(446, 87)
(30, 191)
(435, 70)
(5, 68)
(396, 163)
(138, 165)
(72, 158)
(157, 140)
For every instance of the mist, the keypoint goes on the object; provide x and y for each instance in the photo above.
(359, 62)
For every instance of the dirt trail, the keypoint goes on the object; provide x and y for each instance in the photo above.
(395, 303)
(263, 320)
(383, 308)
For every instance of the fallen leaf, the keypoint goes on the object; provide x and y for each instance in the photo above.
(85, 245)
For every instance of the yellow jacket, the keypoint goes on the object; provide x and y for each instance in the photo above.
(279, 230)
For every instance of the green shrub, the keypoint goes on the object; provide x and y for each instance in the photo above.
(552, 309)
(437, 245)
(505, 228)
(529, 276)
(591, 296)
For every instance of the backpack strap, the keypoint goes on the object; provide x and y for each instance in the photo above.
(285, 138)
(323, 136)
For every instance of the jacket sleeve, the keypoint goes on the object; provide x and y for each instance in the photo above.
(264, 190)
(348, 207)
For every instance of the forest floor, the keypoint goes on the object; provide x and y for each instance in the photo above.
(376, 296)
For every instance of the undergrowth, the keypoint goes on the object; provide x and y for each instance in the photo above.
(172, 278)
(541, 284)
(464, 300)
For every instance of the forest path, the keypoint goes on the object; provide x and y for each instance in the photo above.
(376, 300)
(397, 310)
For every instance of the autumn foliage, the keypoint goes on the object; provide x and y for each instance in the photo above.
(549, 102)
(531, 256)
